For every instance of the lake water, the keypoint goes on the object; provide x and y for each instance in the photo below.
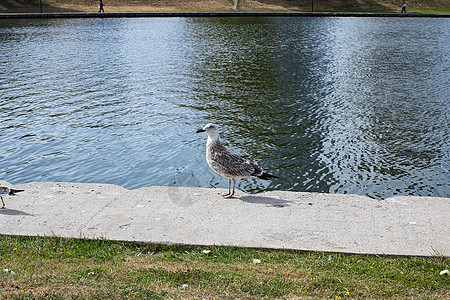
(338, 105)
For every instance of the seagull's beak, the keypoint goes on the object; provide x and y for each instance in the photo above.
(200, 130)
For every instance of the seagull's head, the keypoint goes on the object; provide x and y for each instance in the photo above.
(212, 130)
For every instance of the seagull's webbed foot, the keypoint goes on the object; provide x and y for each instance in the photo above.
(229, 189)
(230, 193)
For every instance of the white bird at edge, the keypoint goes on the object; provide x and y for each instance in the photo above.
(227, 163)
(7, 191)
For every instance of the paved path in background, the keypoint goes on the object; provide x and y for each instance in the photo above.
(197, 216)
(215, 14)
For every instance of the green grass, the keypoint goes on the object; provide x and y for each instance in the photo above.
(431, 12)
(57, 268)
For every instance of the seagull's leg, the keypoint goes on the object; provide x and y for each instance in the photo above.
(232, 194)
(229, 189)
(3, 202)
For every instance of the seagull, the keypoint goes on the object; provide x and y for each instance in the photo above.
(7, 191)
(227, 163)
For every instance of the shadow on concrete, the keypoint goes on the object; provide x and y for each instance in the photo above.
(266, 200)
(14, 212)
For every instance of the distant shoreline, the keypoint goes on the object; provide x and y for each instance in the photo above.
(213, 14)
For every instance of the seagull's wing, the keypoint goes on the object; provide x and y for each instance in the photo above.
(232, 165)
(4, 190)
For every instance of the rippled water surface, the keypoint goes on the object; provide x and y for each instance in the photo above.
(340, 105)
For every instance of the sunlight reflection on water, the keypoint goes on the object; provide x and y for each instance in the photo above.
(341, 105)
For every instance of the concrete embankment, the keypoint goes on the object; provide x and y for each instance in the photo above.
(402, 225)
(213, 14)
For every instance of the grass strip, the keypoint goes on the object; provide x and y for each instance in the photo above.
(59, 268)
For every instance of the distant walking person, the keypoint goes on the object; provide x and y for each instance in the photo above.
(403, 7)
(100, 6)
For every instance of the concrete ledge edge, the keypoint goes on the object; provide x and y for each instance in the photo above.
(214, 14)
(335, 223)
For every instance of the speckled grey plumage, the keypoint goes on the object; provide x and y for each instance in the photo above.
(7, 191)
(227, 163)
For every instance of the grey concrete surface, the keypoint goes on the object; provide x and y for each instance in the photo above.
(417, 226)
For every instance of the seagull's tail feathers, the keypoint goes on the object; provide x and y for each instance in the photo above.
(12, 191)
(266, 176)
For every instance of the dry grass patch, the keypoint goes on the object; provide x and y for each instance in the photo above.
(56, 268)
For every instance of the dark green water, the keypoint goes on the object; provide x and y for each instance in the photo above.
(339, 105)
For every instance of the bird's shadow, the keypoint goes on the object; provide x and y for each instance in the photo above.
(14, 212)
(270, 201)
